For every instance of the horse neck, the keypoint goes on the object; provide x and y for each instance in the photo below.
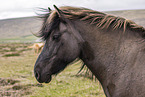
(106, 53)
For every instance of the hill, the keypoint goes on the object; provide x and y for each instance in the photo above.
(138, 16)
(20, 29)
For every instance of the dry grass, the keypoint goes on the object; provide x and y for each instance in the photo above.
(17, 78)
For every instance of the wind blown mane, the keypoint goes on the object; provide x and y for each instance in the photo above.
(101, 20)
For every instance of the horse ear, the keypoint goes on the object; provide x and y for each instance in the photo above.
(59, 12)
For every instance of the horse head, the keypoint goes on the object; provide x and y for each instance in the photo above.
(62, 46)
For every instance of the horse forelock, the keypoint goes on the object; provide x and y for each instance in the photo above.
(50, 23)
(100, 19)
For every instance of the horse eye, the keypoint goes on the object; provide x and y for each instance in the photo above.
(56, 37)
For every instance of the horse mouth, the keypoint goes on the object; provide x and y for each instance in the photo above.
(48, 78)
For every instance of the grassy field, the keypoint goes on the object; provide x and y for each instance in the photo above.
(17, 78)
(20, 39)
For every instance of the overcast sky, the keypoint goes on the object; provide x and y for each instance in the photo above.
(22, 8)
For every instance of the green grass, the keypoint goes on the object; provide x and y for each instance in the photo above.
(21, 39)
(18, 78)
(10, 55)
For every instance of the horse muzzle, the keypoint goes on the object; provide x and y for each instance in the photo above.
(42, 78)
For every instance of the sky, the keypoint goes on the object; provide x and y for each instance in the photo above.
(24, 8)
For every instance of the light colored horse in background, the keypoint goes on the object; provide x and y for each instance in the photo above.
(37, 47)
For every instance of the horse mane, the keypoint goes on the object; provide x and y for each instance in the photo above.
(100, 19)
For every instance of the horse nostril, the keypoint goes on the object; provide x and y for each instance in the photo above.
(37, 75)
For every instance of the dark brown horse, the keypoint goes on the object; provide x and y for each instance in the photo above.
(113, 48)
